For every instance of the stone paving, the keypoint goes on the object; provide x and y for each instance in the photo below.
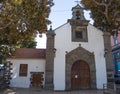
(39, 91)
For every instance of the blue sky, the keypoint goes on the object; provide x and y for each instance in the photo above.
(59, 15)
(61, 12)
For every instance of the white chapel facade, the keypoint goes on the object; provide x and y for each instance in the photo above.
(74, 57)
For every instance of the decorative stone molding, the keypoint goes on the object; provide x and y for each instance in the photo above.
(79, 26)
(41, 82)
(80, 54)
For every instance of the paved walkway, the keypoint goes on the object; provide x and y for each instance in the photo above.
(38, 91)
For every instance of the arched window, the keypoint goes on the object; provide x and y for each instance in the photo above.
(77, 14)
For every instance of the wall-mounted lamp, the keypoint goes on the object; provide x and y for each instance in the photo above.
(54, 50)
(105, 52)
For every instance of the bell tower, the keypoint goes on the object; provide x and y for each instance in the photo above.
(77, 12)
(78, 25)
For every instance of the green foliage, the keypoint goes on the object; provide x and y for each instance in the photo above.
(26, 15)
(20, 20)
(104, 13)
(5, 51)
(31, 43)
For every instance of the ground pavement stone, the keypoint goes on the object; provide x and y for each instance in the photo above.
(41, 91)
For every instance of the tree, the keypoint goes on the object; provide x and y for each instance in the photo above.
(26, 15)
(105, 13)
(20, 20)
(31, 43)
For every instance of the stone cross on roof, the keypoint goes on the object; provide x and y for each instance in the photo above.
(77, 1)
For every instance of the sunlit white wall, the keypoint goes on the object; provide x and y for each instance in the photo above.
(41, 41)
(63, 43)
(34, 65)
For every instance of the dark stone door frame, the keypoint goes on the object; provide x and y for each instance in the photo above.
(80, 54)
(41, 79)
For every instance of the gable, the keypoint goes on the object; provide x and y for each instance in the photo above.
(66, 27)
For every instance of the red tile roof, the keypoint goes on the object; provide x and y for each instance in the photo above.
(29, 53)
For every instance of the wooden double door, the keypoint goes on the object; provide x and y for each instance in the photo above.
(36, 80)
(80, 75)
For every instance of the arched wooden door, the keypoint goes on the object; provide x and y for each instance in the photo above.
(80, 75)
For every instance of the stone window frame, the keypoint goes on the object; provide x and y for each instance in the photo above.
(82, 29)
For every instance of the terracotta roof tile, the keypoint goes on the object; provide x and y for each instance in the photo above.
(29, 53)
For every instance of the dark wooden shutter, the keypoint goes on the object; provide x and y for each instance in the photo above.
(23, 70)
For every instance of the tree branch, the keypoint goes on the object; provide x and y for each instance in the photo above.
(5, 26)
(98, 3)
(106, 5)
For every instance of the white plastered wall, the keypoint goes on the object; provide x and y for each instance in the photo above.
(63, 43)
(34, 65)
